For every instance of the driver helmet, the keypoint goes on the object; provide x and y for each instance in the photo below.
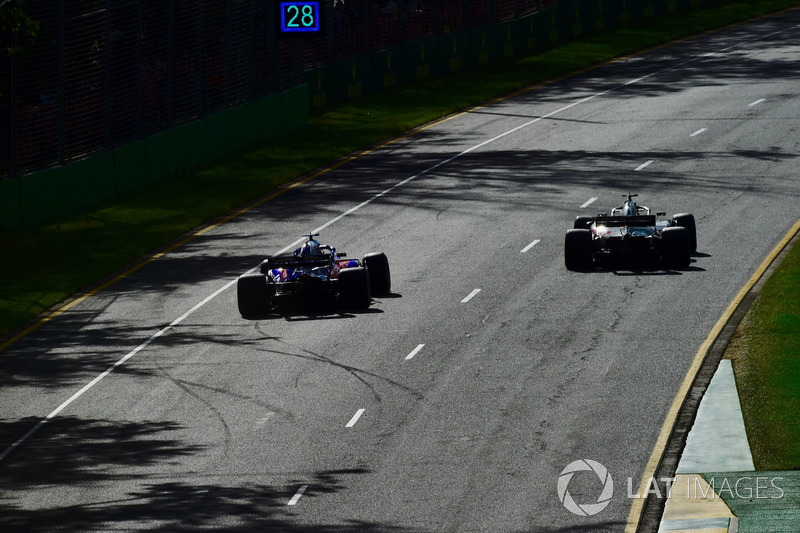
(311, 247)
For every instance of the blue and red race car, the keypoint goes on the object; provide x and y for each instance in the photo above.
(314, 273)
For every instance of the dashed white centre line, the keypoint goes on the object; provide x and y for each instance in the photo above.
(698, 132)
(470, 295)
(531, 245)
(415, 351)
(297, 495)
(751, 104)
(589, 202)
(355, 418)
(645, 164)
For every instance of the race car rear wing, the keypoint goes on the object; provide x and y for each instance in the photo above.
(623, 221)
(292, 261)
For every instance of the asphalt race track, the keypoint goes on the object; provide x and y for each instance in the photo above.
(341, 421)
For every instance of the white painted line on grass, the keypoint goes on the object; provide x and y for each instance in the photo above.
(751, 104)
(355, 418)
(645, 164)
(415, 351)
(297, 495)
(531, 245)
(470, 295)
(698, 132)
(588, 202)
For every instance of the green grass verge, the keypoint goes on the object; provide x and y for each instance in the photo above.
(766, 362)
(44, 265)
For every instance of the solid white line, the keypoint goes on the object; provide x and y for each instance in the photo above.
(370, 200)
(698, 132)
(415, 351)
(645, 164)
(297, 495)
(588, 202)
(110, 369)
(751, 104)
(470, 295)
(355, 418)
(531, 245)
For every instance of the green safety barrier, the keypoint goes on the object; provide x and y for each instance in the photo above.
(190, 145)
(508, 41)
(454, 52)
(54, 193)
(10, 205)
(423, 59)
(325, 86)
(61, 191)
(483, 45)
(159, 156)
(528, 29)
(357, 77)
(294, 108)
(220, 134)
(129, 168)
(388, 68)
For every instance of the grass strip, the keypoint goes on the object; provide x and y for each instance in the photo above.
(766, 362)
(47, 264)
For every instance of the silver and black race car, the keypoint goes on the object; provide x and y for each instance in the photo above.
(630, 235)
(313, 274)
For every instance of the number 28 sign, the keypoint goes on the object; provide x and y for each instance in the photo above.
(299, 16)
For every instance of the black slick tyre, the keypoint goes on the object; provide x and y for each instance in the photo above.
(676, 247)
(252, 295)
(583, 222)
(686, 220)
(353, 288)
(380, 278)
(578, 249)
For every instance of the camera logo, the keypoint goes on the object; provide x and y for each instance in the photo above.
(587, 509)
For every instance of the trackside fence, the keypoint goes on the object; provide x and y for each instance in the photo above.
(100, 96)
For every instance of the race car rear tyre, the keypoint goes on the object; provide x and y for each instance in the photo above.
(252, 295)
(578, 249)
(583, 222)
(353, 285)
(380, 278)
(676, 247)
(687, 221)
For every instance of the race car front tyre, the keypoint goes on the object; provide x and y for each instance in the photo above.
(583, 222)
(578, 249)
(676, 248)
(252, 295)
(353, 288)
(687, 221)
(380, 278)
